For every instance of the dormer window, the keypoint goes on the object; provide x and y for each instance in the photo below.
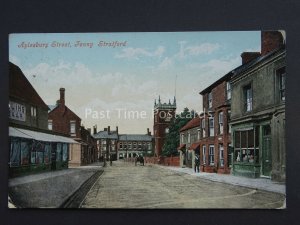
(209, 100)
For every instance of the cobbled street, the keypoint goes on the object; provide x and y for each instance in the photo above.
(124, 185)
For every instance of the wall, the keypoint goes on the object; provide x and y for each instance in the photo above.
(165, 161)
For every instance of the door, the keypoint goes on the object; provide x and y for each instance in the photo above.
(266, 151)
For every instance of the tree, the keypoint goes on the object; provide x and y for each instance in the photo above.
(172, 139)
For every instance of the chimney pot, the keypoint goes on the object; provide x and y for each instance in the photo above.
(95, 129)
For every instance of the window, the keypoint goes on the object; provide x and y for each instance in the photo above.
(211, 127)
(203, 127)
(65, 152)
(139, 145)
(37, 153)
(221, 128)
(211, 155)
(129, 145)
(204, 154)
(248, 98)
(49, 124)
(33, 111)
(121, 145)
(198, 134)
(47, 154)
(189, 137)
(182, 138)
(134, 145)
(59, 152)
(149, 146)
(221, 151)
(209, 100)
(72, 127)
(167, 130)
(228, 91)
(281, 76)
(14, 152)
(246, 146)
(25, 149)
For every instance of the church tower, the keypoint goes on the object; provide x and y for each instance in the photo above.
(163, 113)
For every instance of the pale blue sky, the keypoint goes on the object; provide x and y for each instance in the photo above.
(131, 77)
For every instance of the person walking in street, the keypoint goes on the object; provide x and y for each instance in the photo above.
(197, 163)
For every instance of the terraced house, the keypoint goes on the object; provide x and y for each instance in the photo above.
(215, 139)
(258, 111)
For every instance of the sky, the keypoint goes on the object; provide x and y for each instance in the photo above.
(112, 79)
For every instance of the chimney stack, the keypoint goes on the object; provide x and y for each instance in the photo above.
(89, 130)
(105, 129)
(117, 129)
(108, 129)
(95, 129)
(148, 132)
(249, 56)
(271, 40)
(62, 96)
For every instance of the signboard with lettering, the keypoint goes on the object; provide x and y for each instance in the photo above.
(17, 111)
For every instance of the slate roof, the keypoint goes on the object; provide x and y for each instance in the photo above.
(104, 134)
(135, 137)
(21, 88)
(238, 70)
(195, 122)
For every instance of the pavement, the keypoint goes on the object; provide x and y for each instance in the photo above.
(48, 189)
(257, 183)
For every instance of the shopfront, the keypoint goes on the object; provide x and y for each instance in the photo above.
(32, 151)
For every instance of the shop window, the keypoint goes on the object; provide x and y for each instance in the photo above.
(59, 152)
(14, 152)
(221, 152)
(25, 150)
(221, 128)
(37, 153)
(246, 148)
(47, 153)
(211, 155)
(65, 152)
(248, 98)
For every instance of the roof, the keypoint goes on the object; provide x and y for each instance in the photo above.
(194, 146)
(104, 134)
(195, 122)
(51, 107)
(39, 136)
(51, 112)
(241, 68)
(21, 88)
(135, 137)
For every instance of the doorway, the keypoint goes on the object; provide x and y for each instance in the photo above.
(266, 151)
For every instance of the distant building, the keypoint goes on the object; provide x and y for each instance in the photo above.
(189, 142)
(33, 147)
(131, 145)
(163, 113)
(107, 141)
(64, 120)
(258, 112)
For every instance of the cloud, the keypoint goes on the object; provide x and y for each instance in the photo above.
(136, 53)
(166, 63)
(14, 60)
(205, 48)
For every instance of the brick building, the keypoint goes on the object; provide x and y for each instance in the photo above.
(215, 138)
(33, 148)
(163, 113)
(131, 145)
(64, 120)
(107, 141)
(258, 111)
(189, 142)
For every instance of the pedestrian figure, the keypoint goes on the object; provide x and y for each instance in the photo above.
(142, 160)
(110, 160)
(135, 160)
(197, 163)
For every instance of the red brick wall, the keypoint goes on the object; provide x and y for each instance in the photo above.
(165, 161)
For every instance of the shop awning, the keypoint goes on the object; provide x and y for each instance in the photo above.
(181, 147)
(39, 136)
(194, 146)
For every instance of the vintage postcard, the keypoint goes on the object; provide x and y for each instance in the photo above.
(147, 120)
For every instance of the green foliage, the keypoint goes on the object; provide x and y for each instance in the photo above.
(172, 140)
